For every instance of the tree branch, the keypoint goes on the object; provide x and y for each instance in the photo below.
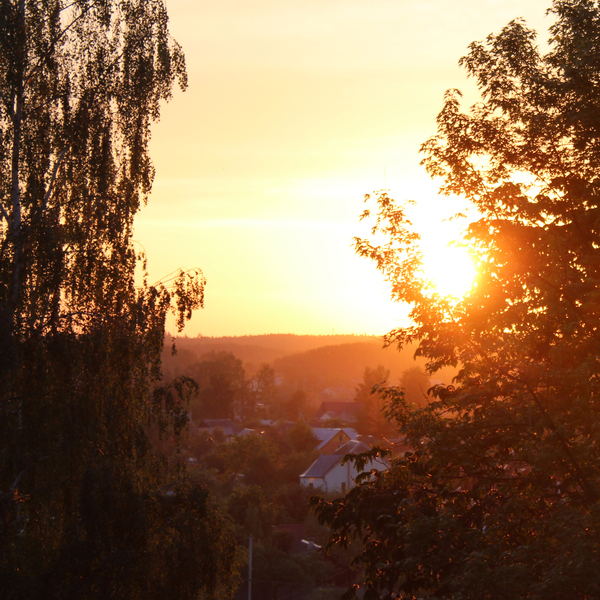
(53, 179)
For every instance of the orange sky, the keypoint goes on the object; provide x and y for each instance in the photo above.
(294, 110)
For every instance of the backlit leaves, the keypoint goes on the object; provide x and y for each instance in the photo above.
(499, 497)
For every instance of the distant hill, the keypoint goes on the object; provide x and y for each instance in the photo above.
(310, 362)
(258, 349)
(343, 364)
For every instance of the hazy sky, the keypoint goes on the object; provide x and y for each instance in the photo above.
(296, 109)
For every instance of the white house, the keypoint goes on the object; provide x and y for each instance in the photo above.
(327, 474)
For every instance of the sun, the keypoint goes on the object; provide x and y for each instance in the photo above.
(449, 268)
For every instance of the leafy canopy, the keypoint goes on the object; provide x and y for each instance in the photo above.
(87, 508)
(500, 497)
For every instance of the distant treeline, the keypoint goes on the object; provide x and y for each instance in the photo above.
(266, 348)
(311, 362)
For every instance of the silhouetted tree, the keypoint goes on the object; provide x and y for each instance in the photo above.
(253, 458)
(221, 383)
(87, 508)
(415, 385)
(372, 418)
(292, 408)
(500, 497)
(301, 437)
(252, 513)
(262, 388)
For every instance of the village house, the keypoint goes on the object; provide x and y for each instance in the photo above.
(328, 474)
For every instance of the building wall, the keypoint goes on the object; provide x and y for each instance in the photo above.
(340, 478)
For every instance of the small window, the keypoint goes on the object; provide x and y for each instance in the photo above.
(311, 486)
(343, 488)
(341, 437)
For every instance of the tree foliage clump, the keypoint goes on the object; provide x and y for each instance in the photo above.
(372, 419)
(500, 496)
(221, 386)
(87, 509)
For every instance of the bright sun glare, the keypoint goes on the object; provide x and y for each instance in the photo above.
(450, 268)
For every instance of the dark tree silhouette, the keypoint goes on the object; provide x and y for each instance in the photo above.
(87, 509)
(372, 419)
(415, 384)
(221, 385)
(500, 497)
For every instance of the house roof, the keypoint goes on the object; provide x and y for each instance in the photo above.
(325, 463)
(325, 434)
(352, 447)
(246, 431)
(339, 409)
(322, 466)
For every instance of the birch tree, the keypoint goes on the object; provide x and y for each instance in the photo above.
(87, 508)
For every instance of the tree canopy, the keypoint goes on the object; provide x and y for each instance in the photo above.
(500, 496)
(221, 386)
(372, 420)
(87, 507)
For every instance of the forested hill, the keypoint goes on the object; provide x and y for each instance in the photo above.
(309, 360)
(258, 349)
(343, 364)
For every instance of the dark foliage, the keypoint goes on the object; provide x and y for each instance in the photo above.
(500, 497)
(87, 507)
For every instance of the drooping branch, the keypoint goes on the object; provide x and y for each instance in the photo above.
(57, 165)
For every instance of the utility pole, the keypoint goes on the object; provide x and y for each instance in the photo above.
(250, 569)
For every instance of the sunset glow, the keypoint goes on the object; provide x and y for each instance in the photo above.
(294, 111)
(451, 269)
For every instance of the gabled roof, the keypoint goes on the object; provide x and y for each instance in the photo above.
(322, 466)
(325, 463)
(325, 434)
(339, 409)
(352, 447)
